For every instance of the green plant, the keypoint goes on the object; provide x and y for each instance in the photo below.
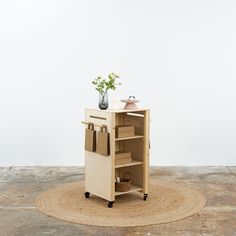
(103, 85)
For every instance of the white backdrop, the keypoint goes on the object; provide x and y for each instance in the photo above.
(177, 57)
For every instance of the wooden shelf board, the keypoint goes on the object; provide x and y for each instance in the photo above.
(133, 188)
(132, 137)
(133, 163)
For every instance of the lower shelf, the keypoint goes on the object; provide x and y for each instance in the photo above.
(133, 188)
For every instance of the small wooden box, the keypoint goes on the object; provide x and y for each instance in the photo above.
(122, 158)
(123, 131)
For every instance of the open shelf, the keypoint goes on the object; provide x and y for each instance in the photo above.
(132, 163)
(133, 188)
(132, 137)
(101, 171)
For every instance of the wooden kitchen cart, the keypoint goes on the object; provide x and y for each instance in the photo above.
(101, 171)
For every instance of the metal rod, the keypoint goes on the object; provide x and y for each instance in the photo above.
(135, 114)
(86, 123)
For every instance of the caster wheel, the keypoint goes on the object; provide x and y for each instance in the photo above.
(110, 204)
(145, 196)
(86, 194)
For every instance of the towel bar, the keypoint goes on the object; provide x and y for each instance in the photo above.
(86, 123)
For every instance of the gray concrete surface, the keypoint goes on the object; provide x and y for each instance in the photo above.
(20, 185)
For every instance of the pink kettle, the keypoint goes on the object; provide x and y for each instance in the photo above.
(130, 103)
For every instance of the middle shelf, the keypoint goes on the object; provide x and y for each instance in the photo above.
(131, 137)
(132, 163)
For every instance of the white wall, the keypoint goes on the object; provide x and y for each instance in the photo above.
(178, 57)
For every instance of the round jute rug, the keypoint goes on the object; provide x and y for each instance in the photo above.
(167, 202)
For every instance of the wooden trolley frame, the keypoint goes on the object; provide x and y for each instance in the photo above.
(100, 171)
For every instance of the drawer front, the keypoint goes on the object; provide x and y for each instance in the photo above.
(99, 118)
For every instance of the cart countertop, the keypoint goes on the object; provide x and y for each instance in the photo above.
(118, 110)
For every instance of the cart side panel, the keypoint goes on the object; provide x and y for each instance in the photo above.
(98, 168)
(146, 151)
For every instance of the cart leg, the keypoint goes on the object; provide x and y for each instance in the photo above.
(145, 195)
(110, 204)
(86, 194)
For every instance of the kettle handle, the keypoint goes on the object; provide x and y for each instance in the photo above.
(133, 97)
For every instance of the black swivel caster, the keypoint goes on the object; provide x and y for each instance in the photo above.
(86, 194)
(110, 204)
(145, 196)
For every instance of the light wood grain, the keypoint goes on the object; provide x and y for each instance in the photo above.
(101, 170)
(98, 168)
(146, 151)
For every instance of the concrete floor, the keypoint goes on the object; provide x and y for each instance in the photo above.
(20, 185)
